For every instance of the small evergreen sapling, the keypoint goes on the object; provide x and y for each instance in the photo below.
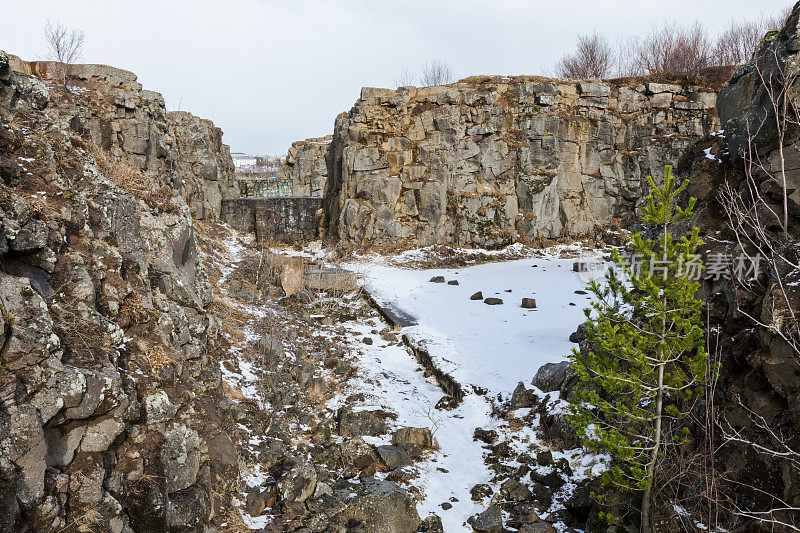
(646, 361)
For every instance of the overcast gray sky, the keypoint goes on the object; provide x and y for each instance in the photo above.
(270, 72)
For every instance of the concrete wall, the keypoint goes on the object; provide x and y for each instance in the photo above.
(289, 219)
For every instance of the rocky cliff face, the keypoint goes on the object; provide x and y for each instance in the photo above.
(112, 416)
(753, 318)
(306, 167)
(490, 161)
(130, 124)
(202, 164)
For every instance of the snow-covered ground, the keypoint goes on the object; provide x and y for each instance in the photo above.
(489, 346)
(484, 347)
(488, 349)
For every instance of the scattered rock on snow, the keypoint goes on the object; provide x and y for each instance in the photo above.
(437, 279)
(493, 301)
(481, 491)
(529, 303)
(489, 521)
(413, 440)
(522, 398)
(356, 423)
(477, 296)
(453, 282)
(551, 376)
(393, 456)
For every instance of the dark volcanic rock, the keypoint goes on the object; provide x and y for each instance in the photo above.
(393, 456)
(493, 301)
(355, 423)
(522, 397)
(382, 506)
(551, 376)
(489, 521)
(477, 296)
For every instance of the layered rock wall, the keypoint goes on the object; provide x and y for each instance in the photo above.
(306, 167)
(490, 161)
(112, 413)
(201, 162)
(130, 124)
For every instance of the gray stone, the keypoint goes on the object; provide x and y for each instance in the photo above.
(382, 506)
(412, 439)
(356, 423)
(393, 456)
(297, 484)
(489, 521)
(551, 376)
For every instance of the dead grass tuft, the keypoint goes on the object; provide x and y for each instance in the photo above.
(144, 186)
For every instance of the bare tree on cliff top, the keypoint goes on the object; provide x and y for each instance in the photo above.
(593, 59)
(672, 50)
(437, 72)
(65, 45)
(737, 43)
(405, 78)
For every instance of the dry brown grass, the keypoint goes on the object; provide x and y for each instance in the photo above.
(234, 523)
(142, 185)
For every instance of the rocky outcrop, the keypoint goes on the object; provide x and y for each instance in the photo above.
(306, 167)
(112, 416)
(202, 163)
(759, 385)
(109, 108)
(488, 161)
